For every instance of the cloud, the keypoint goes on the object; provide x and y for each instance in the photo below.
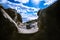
(27, 17)
(32, 17)
(3, 1)
(28, 13)
(36, 2)
(49, 2)
(22, 1)
(23, 10)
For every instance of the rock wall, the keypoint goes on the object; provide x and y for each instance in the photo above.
(8, 30)
(47, 22)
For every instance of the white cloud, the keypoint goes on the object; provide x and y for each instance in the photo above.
(48, 2)
(36, 2)
(23, 1)
(32, 17)
(3, 1)
(22, 6)
(22, 9)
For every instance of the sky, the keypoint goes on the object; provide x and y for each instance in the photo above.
(27, 8)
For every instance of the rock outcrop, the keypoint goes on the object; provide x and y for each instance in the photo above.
(29, 23)
(14, 15)
(8, 30)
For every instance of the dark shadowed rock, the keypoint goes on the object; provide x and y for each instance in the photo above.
(47, 22)
(14, 15)
(19, 18)
(8, 30)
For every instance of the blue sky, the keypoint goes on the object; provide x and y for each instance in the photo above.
(27, 8)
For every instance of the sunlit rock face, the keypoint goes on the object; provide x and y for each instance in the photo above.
(49, 29)
(8, 30)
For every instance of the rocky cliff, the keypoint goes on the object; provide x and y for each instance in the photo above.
(47, 22)
(8, 30)
(48, 27)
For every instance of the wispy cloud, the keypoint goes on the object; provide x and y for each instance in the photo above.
(36, 2)
(49, 2)
(23, 1)
(28, 13)
(3, 1)
(29, 17)
(23, 10)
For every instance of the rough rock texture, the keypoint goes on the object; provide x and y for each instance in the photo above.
(14, 15)
(8, 30)
(47, 22)
(49, 29)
